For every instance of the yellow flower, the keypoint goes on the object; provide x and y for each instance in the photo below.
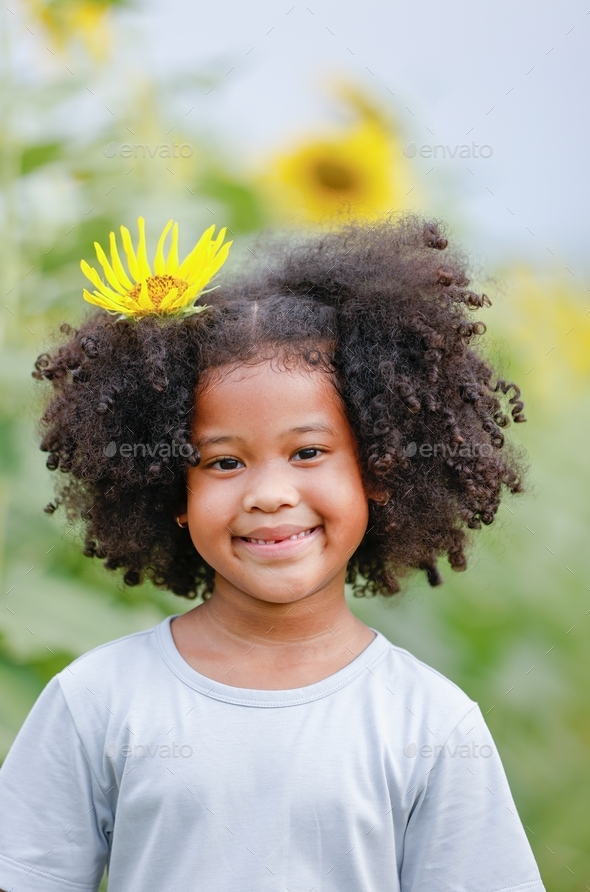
(547, 320)
(171, 289)
(85, 20)
(359, 171)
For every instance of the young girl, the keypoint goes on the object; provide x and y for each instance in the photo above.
(325, 418)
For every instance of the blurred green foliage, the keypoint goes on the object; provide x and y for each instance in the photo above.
(512, 631)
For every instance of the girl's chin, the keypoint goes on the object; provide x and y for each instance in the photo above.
(288, 585)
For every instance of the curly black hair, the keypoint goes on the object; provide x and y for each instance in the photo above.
(384, 307)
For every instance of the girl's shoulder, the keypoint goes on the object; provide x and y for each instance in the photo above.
(111, 671)
(117, 651)
(415, 671)
(418, 687)
(138, 673)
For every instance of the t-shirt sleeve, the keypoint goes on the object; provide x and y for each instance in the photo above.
(55, 821)
(464, 833)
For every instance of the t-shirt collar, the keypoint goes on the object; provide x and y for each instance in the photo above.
(254, 697)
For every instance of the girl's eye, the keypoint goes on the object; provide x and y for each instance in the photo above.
(225, 460)
(309, 449)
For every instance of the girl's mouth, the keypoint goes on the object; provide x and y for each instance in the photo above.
(300, 535)
(271, 548)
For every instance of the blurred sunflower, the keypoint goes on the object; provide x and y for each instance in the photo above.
(548, 322)
(85, 20)
(359, 171)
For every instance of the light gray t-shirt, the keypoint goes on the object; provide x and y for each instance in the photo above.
(380, 778)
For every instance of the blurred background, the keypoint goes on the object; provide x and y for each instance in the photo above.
(271, 115)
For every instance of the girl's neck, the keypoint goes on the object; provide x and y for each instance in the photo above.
(250, 643)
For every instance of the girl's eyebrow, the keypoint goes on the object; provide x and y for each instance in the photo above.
(311, 428)
(216, 441)
(229, 438)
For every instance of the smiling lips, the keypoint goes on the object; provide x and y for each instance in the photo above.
(274, 541)
(282, 544)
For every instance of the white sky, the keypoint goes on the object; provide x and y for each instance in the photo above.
(450, 63)
(510, 75)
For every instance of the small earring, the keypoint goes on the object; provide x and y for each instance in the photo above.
(183, 524)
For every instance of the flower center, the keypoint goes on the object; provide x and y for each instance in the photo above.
(158, 287)
(335, 176)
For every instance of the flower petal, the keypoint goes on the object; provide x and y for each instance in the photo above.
(220, 236)
(220, 259)
(195, 258)
(130, 254)
(142, 261)
(182, 300)
(203, 271)
(100, 301)
(118, 267)
(168, 299)
(159, 262)
(92, 274)
(172, 259)
(95, 299)
(108, 270)
(144, 299)
(204, 275)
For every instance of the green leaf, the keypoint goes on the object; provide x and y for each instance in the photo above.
(19, 688)
(37, 156)
(9, 453)
(244, 209)
(78, 244)
(46, 667)
(64, 615)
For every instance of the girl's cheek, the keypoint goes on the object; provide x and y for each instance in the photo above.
(213, 495)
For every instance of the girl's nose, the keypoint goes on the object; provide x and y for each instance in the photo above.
(269, 488)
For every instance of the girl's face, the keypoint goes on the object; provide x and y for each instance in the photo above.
(278, 458)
